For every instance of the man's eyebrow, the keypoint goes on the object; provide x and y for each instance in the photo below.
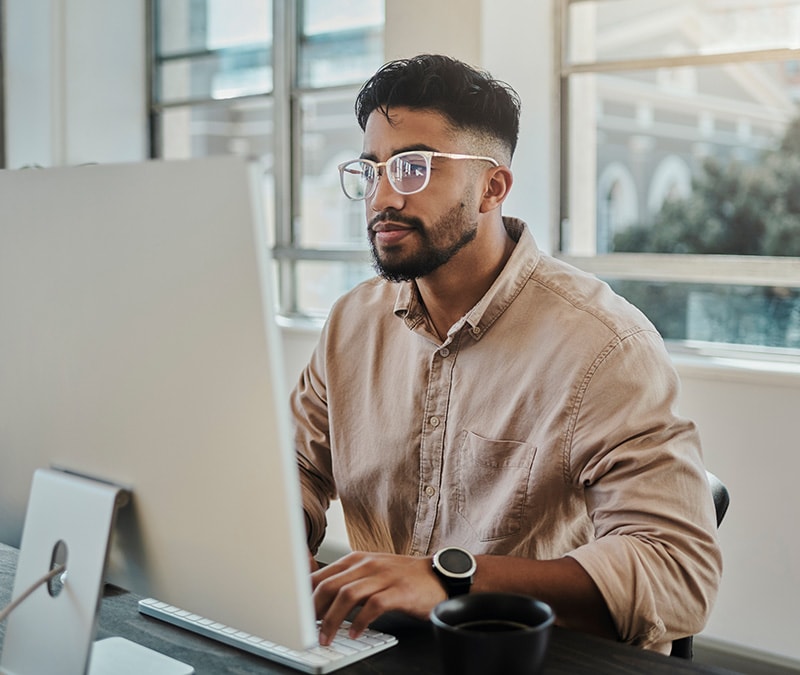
(409, 148)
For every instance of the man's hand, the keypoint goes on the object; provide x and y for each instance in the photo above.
(378, 582)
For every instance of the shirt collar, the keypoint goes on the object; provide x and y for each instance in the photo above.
(506, 287)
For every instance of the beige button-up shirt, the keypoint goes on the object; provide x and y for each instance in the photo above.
(543, 425)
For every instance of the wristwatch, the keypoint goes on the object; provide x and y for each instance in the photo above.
(454, 566)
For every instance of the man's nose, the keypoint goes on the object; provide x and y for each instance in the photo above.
(385, 195)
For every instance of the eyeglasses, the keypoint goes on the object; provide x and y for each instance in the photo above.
(408, 172)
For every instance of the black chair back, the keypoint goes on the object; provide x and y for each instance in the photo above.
(684, 647)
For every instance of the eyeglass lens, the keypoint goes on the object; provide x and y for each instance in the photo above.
(408, 173)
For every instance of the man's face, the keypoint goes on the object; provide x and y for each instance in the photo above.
(413, 235)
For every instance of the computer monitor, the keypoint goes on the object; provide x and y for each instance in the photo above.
(138, 345)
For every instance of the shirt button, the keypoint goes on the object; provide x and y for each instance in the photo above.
(444, 352)
(430, 490)
(435, 421)
(476, 330)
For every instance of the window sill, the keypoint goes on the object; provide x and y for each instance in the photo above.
(744, 365)
(300, 324)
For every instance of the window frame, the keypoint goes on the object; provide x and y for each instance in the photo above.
(286, 97)
(651, 267)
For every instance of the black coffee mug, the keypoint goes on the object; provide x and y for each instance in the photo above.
(487, 633)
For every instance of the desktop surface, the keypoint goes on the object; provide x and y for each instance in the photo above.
(416, 654)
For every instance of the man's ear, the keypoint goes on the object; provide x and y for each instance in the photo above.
(497, 186)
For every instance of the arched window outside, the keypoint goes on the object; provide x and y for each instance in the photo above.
(672, 179)
(618, 204)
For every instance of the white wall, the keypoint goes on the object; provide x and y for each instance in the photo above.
(75, 82)
(75, 93)
(747, 421)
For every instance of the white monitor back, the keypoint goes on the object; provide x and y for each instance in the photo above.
(138, 345)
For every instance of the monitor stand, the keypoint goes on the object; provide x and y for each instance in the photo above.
(69, 521)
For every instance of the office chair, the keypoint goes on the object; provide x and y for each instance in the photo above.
(683, 648)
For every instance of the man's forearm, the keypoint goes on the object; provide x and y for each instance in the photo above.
(561, 583)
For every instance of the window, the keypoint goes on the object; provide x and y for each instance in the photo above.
(275, 80)
(689, 203)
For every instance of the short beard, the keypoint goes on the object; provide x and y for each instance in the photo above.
(429, 259)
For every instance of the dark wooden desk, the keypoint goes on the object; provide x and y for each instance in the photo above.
(570, 653)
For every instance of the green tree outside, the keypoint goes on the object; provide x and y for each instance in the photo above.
(734, 209)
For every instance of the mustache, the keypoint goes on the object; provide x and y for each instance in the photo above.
(395, 217)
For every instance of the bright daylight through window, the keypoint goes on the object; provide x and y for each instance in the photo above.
(275, 80)
(680, 161)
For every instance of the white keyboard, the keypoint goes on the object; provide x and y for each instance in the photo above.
(316, 660)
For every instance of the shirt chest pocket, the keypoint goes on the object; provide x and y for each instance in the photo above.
(492, 489)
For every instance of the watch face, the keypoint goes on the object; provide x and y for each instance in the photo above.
(456, 562)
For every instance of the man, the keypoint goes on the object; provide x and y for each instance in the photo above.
(481, 395)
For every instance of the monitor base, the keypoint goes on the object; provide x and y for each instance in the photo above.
(118, 656)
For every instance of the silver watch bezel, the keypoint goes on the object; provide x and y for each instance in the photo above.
(449, 573)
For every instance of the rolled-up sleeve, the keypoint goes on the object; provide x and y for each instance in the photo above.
(655, 556)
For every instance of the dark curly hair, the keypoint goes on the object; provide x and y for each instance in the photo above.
(468, 98)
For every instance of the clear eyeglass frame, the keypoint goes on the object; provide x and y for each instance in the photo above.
(408, 172)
